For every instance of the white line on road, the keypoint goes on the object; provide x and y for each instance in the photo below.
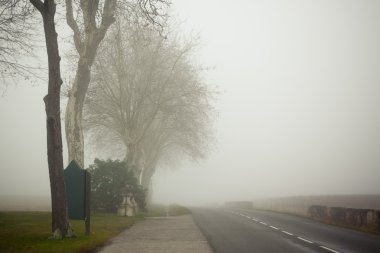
(286, 232)
(303, 239)
(323, 247)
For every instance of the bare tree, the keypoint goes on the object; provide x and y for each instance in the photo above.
(94, 18)
(16, 31)
(148, 95)
(60, 222)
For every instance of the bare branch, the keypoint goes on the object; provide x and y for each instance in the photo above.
(146, 89)
(155, 11)
(17, 39)
(73, 25)
(38, 4)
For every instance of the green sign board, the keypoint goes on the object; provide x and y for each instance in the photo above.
(77, 181)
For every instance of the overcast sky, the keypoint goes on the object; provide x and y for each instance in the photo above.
(299, 112)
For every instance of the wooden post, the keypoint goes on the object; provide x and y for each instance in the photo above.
(87, 203)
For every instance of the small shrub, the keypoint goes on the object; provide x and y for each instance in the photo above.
(108, 182)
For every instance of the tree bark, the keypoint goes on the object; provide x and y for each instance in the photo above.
(147, 176)
(86, 43)
(73, 117)
(60, 222)
(131, 159)
(146, 182)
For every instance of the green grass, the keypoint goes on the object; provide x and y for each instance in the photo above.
(156, 210)
(175, 210)
(28, 232)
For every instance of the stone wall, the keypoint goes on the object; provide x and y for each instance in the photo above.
(360, 218)
(300, 204)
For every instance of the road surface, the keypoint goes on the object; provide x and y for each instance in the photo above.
(244, 230)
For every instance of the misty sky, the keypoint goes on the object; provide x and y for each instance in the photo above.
(299, 112)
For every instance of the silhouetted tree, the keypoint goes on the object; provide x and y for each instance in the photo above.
(60, 222)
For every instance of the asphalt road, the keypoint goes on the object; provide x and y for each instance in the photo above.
(240, 231)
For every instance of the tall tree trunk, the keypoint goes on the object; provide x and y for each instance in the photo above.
(147, 176)
(131, 159)
(86, 43)
(146, 182)
(74, 109)
(60, 222)
(149, 197)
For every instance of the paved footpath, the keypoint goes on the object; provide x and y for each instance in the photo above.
(160, 235)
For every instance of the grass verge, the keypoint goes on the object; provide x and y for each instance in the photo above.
(156, 210)
(27, 232)
(175, 210)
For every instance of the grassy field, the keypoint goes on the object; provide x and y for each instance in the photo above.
(28, 232)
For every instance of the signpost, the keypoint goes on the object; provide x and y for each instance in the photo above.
(78, 190)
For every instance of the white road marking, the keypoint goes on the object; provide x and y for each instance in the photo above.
(286, 232)
(303, 239)
(323, 247)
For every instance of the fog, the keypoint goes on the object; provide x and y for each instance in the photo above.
(298, 111)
